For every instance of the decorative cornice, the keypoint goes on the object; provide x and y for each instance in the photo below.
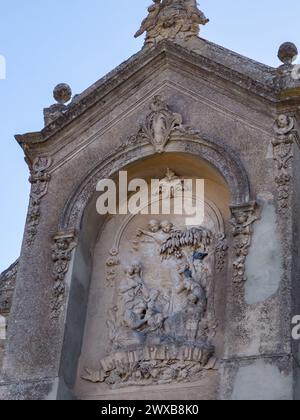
(64, 244)
(165, 51)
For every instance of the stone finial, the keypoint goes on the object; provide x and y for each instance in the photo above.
(176, 20)
(287, 53)
(62, 93)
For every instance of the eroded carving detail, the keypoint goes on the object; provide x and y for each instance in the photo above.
(157, 128)
(39, 180)
(283, 155)
(64, 243)
(176, 20)
(111, 266)
(7, 286)
(243, 218)
(160, 333)
(221, 253)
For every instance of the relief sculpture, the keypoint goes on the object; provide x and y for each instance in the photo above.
(160, 328)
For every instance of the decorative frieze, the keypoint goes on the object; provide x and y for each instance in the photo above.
(39, 180)
(283, 155)
(64, 244)
(243, 218)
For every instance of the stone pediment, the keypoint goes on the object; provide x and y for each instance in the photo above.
(212, 61)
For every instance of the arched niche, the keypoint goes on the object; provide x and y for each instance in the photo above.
(226, 184)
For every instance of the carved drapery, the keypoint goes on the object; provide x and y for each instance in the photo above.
(243, 218)
(64, 244)
(282, 144)
(39, 179)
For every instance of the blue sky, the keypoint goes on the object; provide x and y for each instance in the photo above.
(78, 41)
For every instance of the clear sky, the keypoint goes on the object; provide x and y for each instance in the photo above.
(78, 41)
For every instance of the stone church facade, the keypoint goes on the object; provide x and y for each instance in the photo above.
(136, 306)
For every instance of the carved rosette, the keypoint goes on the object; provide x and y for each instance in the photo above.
(158, 126)
(243, 218)
(39, 179)
(112, 264)
(283, 155)
(64, 244)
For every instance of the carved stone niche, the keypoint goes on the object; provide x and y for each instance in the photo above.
(152, 320)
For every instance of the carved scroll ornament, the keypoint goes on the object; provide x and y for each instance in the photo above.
(39, 180)
(158, 126)
(243, 218)
(64, 244)
(283, 155)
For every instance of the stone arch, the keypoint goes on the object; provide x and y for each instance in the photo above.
(217, 154)
(80, 215)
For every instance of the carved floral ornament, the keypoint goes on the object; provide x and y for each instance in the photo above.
(64, 244)
(243, 218)
(286, 136)
(39, 179)
(157, 127)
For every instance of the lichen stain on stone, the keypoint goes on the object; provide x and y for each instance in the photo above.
(264, 264)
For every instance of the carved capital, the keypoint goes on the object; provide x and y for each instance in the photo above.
(243, 218)
(39, 179)
(64, 244)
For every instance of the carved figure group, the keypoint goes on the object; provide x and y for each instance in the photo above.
(171, 19)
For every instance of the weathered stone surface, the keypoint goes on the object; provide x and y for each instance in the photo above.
(143, 307)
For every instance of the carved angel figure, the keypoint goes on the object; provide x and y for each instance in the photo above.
(172, 19)
(151, 20)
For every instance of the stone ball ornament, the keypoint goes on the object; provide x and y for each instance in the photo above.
(62, 93)
(288, 53)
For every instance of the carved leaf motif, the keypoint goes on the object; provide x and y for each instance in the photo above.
(243, 217)
(39, 180)
(64, 243)
(283, 155)
(158, 126)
